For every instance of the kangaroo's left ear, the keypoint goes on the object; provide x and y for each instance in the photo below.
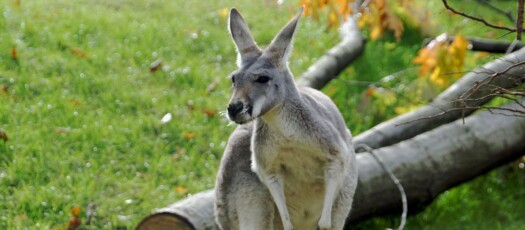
(281, 46)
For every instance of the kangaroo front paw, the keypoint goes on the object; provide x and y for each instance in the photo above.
(324, 224)
(288, 226)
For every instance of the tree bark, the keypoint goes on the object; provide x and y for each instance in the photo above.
(435, 161)
(446, 107)
(426, 165)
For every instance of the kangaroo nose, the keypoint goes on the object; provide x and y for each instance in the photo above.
(234, 109)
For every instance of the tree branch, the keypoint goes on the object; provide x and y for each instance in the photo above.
(519, 22)
(491, 46)
(394, 179)
(508, 14)
(477, 19)
(488, 81)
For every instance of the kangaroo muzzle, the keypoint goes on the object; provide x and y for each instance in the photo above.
(239, 112)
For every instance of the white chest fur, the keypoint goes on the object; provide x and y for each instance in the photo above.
(301, 162)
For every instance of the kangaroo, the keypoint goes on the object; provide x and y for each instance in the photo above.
(290, 163)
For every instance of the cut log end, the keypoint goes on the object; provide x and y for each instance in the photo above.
(165, 221)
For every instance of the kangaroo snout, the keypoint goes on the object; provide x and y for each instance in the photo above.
(234, 109)
(239, 112)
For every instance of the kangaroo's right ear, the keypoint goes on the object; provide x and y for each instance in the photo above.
(247, 49)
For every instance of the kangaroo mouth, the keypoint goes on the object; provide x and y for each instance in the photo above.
(240, 113)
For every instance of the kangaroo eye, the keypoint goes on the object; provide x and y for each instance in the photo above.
(262, 79)
(233, 79)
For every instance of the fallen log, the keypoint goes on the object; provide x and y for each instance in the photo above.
(336, 59)
(426, 165)
(447, 107)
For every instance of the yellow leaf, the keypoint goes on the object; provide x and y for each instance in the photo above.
(77, 52)
(481, 55)
(75, 211)
(223, 12)
(332, 19)
(14, 53)
(209, 112)
(458, 52)
(441, 60)
(181, 189)
(188, 136)
(426, 59)
(404, 109)
(376, 32)
(395, 25)
(435, 77)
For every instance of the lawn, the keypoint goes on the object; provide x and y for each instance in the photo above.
(86, 115)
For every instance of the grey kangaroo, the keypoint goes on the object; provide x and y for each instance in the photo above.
(290, 163)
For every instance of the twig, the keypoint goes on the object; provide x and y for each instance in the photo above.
(490, 79)
(394, 179)
(514, 112)
(519, 22)
(478, 19)
(508, 14)
(513, 45)
(90, 212)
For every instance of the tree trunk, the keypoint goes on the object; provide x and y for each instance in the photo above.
(426, 165)
(435, 161)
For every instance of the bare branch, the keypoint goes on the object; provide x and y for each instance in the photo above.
(491, 46)
(394, 179)
(489, 80)
(492, 109)
(477, 19)
(508, 14)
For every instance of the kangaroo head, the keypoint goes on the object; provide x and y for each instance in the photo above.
(262, 80)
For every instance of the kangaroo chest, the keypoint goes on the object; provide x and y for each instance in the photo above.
(300, 160)
(301, 163)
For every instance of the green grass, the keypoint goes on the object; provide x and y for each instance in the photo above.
(82, 110)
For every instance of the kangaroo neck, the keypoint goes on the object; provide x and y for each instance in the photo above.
(287, 116)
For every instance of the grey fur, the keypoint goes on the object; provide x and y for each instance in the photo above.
(290, 163)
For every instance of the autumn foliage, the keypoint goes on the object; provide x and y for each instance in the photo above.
(443, 61)
(75, 221)
(439, 63)
(377, 15)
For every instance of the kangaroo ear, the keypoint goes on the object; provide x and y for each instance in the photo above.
(281, 46)
(247, 49)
